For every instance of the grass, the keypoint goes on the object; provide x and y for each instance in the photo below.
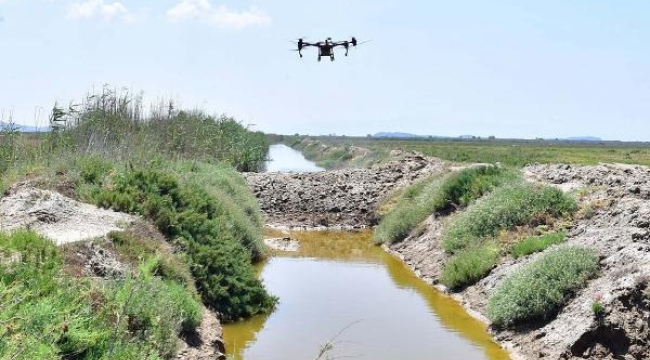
(533, 244)
(47, 314)
(470, 265)
(114, 125)
(436, 194)
(539, 289)
(505, 208)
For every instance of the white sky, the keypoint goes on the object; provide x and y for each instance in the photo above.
(507, 68)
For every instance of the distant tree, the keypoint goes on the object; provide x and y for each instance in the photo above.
(369, 135)
(491, 137)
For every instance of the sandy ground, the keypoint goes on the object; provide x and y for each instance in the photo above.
(57, 217)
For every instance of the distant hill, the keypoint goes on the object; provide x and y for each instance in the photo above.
(395, 135)
(584, 138)
(25, 128)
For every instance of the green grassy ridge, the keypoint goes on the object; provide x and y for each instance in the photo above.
(436, 194)
(534, 244)
(217, 235)
(47, 314)
(539, 289)
(506, 207)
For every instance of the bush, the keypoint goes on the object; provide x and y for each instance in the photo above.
(470, 265)
(434, 194)
(533, 244)
(467, 185)
(503, 209)
(139, 300)
(218, 238)
(169, 266)
(539, 289)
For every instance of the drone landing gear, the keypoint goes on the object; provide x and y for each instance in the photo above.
(332, 58)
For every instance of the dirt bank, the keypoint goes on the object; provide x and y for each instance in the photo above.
(615, 222)
(57, 217)
(342, 198)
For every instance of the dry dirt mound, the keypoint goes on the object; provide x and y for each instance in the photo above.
(57, 217)
(615, 221)
(346, 198)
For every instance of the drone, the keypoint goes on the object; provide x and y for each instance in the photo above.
(326, 48)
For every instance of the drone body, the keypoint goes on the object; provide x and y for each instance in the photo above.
(326, 48)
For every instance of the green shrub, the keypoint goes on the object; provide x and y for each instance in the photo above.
(169, 266)
(139, 300)
(539, 289)
(92, 169)
(469, 184)
(435, 194)
(414, 207)
(533, 244)
(505, 208)
(218, 238)
(470, 265)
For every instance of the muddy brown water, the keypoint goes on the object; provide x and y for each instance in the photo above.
(342, 288)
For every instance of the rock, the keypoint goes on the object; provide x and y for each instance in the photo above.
(339, 198)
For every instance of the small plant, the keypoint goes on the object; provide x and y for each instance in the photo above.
(470, 265)
(597, 306)
(535, 244)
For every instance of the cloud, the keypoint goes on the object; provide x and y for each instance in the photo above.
(220, 16)
(97, 8)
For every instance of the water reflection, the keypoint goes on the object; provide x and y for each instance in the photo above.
(286, 159)
(340, 277)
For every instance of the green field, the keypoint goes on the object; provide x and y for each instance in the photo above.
(508, 152)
